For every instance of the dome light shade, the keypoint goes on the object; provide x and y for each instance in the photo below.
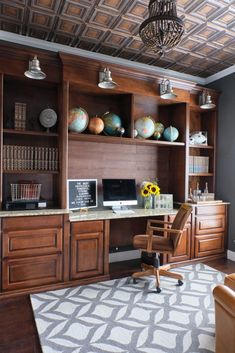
(163, 30)
(105, 80)
(34, 72)
(166, 91)
(205, 101)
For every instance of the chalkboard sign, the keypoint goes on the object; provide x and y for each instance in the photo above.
(82, 193)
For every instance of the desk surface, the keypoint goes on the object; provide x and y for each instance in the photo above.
(109, 214)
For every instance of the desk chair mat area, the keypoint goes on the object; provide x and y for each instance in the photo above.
(119, 316)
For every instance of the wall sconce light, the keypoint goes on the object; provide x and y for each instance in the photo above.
(205, 100)
(105, 79)
(34, 70)
(166, 91)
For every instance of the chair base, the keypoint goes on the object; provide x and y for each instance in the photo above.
(150, 270)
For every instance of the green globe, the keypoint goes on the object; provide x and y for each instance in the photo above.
(112, 123)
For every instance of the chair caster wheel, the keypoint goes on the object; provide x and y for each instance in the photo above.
(158, 290)
(135, 281)
(180, 283)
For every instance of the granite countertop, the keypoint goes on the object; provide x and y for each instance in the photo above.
(25, 213)
(109, 214)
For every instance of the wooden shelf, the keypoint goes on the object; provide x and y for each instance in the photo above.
(202, 147)
(122, 140)
(201, 174)
(30, 171)
(30, 133)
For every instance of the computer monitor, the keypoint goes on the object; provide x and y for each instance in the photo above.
(119, 192)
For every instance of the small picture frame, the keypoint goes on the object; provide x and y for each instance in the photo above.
(198, 138)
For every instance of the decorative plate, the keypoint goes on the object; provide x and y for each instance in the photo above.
(48, 117)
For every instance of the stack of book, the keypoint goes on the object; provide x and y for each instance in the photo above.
(198, 164)
(20, 116)
(30, 158)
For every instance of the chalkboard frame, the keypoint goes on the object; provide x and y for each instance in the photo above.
(72, 183)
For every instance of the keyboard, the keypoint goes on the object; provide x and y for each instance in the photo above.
(123, 211)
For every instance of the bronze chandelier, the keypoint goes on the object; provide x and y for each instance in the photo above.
(163, 30)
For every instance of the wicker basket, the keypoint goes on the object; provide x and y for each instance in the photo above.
(25, 191)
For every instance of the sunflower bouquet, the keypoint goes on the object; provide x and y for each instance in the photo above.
(149, 188)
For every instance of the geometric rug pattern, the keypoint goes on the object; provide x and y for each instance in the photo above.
(118, 316)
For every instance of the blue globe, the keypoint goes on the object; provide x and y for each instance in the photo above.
(145, 126)
(78, 120)
(112, 123)
(171, 133)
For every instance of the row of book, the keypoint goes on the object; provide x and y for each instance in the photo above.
(20, 116)
(198, 164)
(30, 158)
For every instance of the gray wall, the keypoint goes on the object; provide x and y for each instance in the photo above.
(225, 181)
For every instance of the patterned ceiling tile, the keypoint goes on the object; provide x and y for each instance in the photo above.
(12, 12)
(67, 26)
(37, 33)
(139, 10)
(48, 5)
(116, 5)
(93, 33)
(128, 26)
(135, 44)
(111, 27)
(11, 27)
(207, 49)
(103, 19)
(115, 39)
(74, 11)
(40, 19)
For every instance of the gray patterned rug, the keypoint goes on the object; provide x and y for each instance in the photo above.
(118, 316)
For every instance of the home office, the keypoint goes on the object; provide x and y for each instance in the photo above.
(68, 253)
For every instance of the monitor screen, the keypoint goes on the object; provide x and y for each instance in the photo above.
(117, 192)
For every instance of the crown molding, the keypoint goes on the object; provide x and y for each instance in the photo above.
(55, 47)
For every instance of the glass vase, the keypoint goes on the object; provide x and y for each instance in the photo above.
(148, 202)
(155, 201)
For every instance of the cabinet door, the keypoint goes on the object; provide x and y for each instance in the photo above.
(87, 249)
(206, 245)
(30, 272)
(183, 251)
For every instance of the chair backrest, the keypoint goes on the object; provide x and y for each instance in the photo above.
(180, 221)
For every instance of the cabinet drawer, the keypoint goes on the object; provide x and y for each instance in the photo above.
(209, 224)
(206, 245)
(210, 210)
(32, 222)
(30, 272)
(32, 242)
(87, 227)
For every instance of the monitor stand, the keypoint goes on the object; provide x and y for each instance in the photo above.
(122, 210)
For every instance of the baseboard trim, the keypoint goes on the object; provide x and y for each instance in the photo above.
(231, 255)
(124, 256)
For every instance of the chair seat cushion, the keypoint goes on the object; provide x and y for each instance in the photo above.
(160, 244)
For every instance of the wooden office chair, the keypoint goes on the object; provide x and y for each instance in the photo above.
(152, 245)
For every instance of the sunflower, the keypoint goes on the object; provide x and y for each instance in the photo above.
(145, 192)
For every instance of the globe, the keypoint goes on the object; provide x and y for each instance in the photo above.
(171, 133)
(112, 123)
(159, 128)
(78, 120)
(145, 126)
(96, 125)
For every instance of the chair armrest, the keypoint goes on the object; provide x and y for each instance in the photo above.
(156, 221)
(225, 297)
(167, 230)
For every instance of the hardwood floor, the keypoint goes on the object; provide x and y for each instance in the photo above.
(18, 332)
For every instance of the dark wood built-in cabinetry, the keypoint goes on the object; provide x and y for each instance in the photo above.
(31, 251)
(42, 251)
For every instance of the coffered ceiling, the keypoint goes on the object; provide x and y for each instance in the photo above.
(111, 27)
